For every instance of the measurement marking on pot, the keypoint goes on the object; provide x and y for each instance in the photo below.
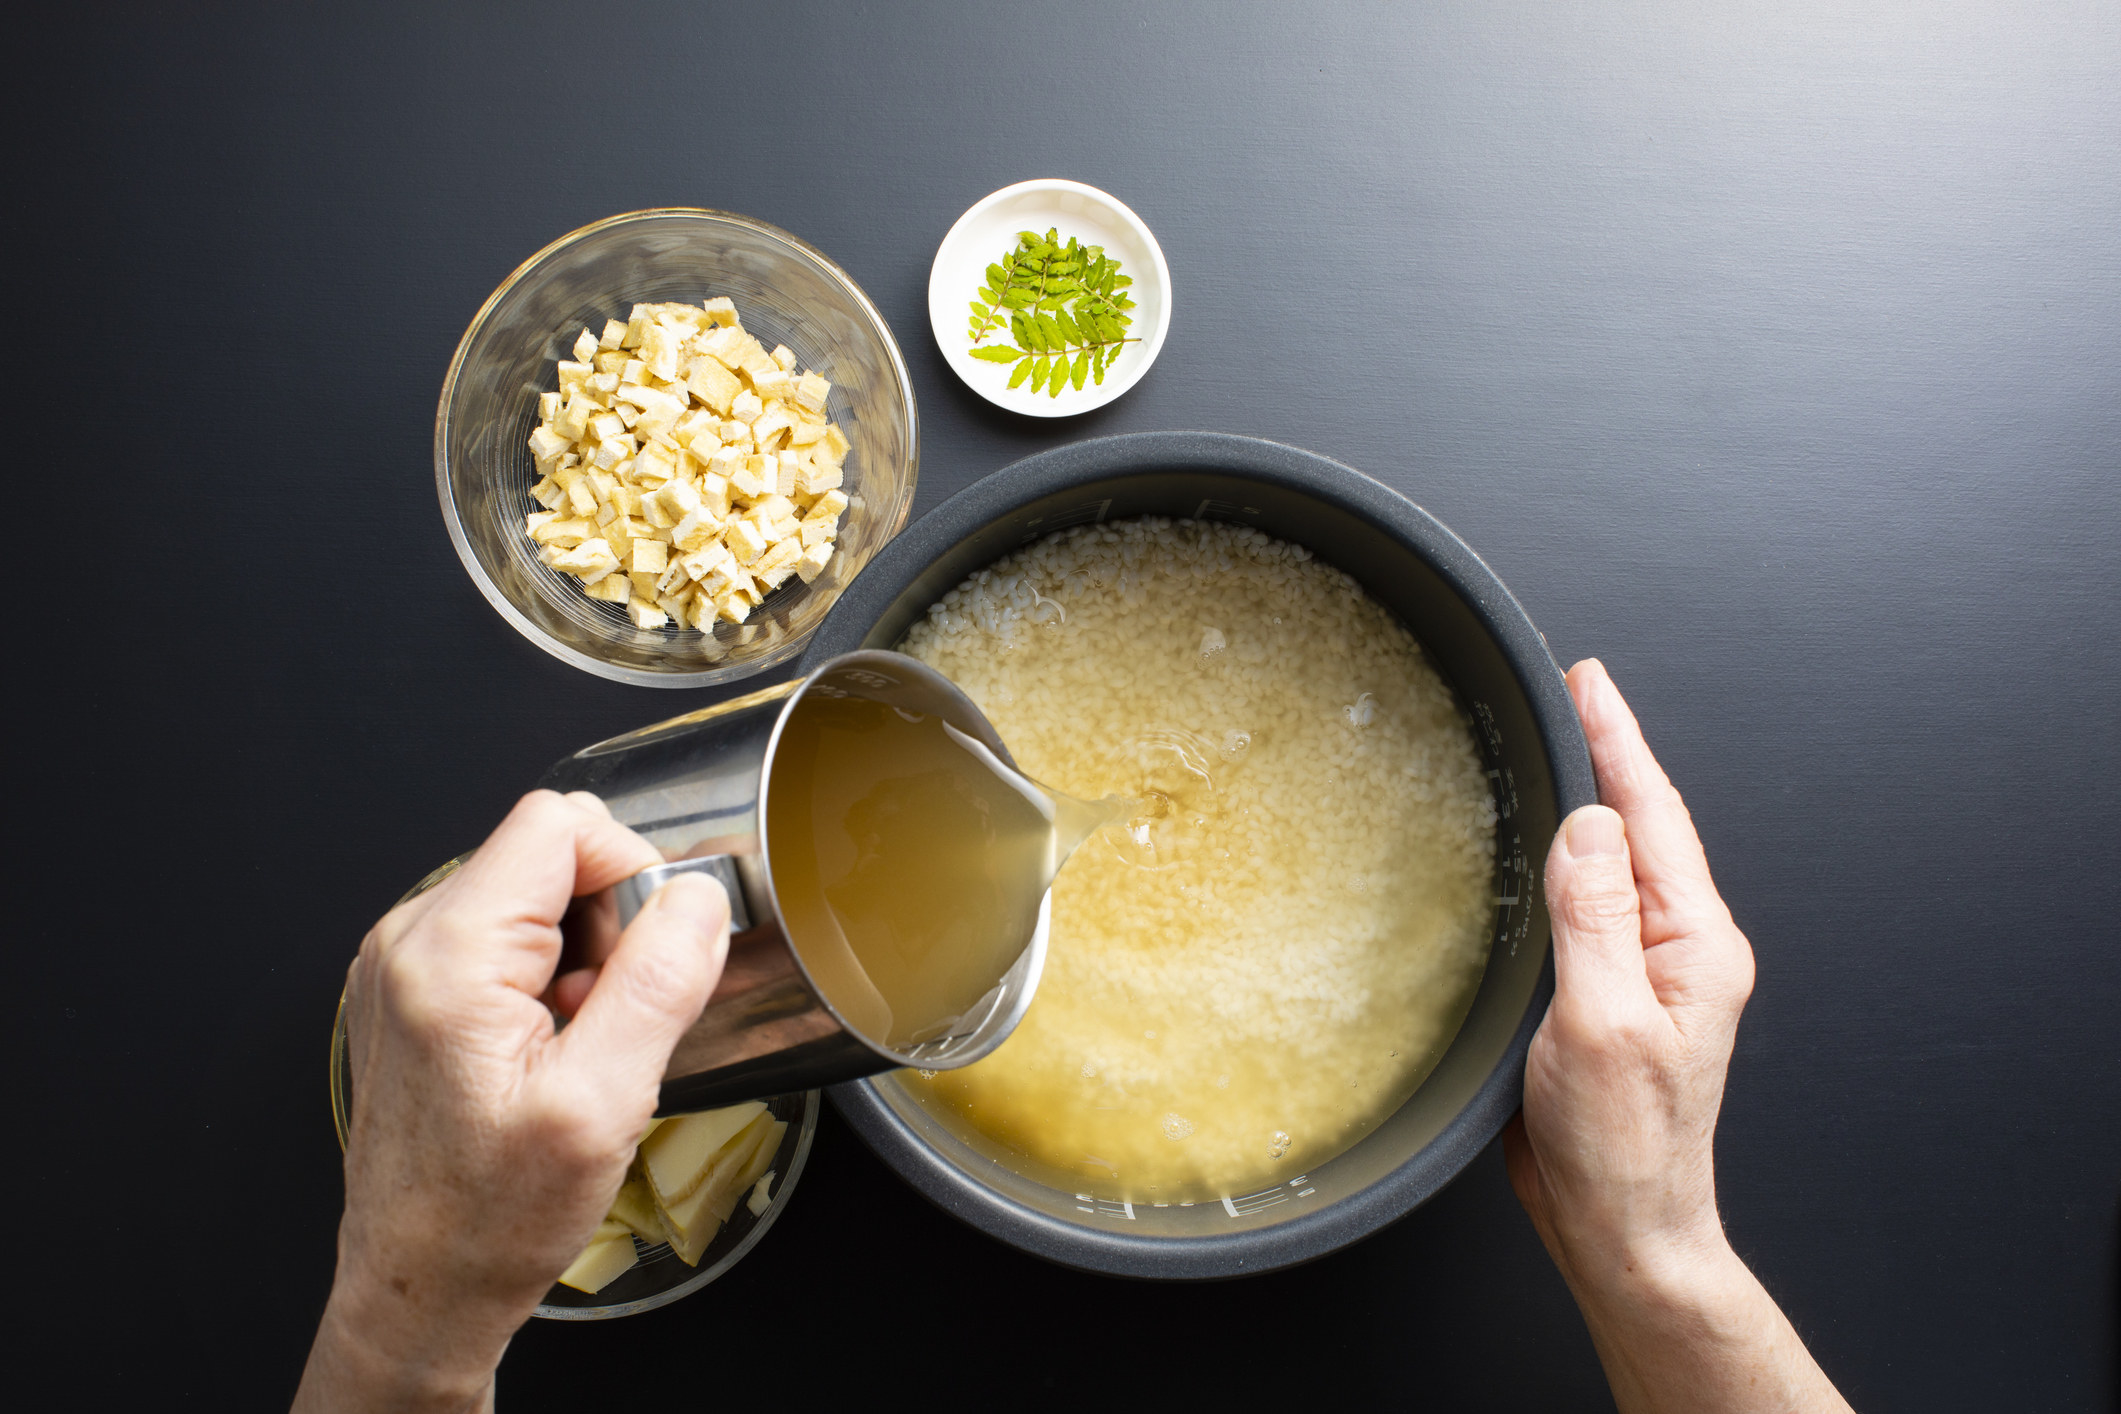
(1254, 1202)
(1092, 513)
(1104, 1206)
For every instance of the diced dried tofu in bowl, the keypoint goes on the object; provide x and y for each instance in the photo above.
(685, 471)
(669, 440)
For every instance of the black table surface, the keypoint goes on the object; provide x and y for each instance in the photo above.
(1769, 351)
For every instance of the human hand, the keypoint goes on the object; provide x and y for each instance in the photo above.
(1613, 1156)
(485, 1143)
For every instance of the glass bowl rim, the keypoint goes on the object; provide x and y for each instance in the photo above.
(502, 604)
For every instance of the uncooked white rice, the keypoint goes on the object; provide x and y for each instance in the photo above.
(1251, 982)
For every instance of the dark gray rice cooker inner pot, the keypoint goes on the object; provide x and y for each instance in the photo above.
(1477, 636)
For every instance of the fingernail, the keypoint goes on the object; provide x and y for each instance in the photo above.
(1594, 830)
(694, 898)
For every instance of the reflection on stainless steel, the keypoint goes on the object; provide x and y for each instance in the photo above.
(696, 788)
(629, 894)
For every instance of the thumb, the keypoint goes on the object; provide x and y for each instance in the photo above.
(1597, 913)
(652, 987)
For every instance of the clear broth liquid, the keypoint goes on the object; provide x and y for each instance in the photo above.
(909, 861)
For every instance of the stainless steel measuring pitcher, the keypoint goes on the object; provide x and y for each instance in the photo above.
(696, 788)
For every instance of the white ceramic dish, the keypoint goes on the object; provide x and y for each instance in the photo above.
(980, 237)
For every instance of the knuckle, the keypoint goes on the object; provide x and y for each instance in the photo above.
(405, 987)
(413, 985)
(1743, 971)
(566, 1124)
(1608, 1034)
(589, 801)
(392, 928)
(665, 979)
(541, 807)
(1596, 897)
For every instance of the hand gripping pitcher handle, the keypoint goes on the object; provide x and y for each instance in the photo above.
(698, 787)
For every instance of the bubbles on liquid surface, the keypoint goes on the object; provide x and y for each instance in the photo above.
(1212, 642)
(925, 1074)
(1222, 1082)
(1358, 883)
(1170, 804)
(1177, 1127)
(1279, 1144)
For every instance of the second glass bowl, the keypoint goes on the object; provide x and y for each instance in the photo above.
(658, 1276)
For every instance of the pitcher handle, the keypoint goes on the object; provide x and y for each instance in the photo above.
(631, 894)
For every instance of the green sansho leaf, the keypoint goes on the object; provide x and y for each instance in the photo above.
(1061, 302)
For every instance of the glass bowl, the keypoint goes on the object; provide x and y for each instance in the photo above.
(658, 1276)
(785, 292)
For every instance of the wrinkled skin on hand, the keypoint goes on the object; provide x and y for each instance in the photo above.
(1614, 1151)
(1614, 1154)
(486, 1142)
